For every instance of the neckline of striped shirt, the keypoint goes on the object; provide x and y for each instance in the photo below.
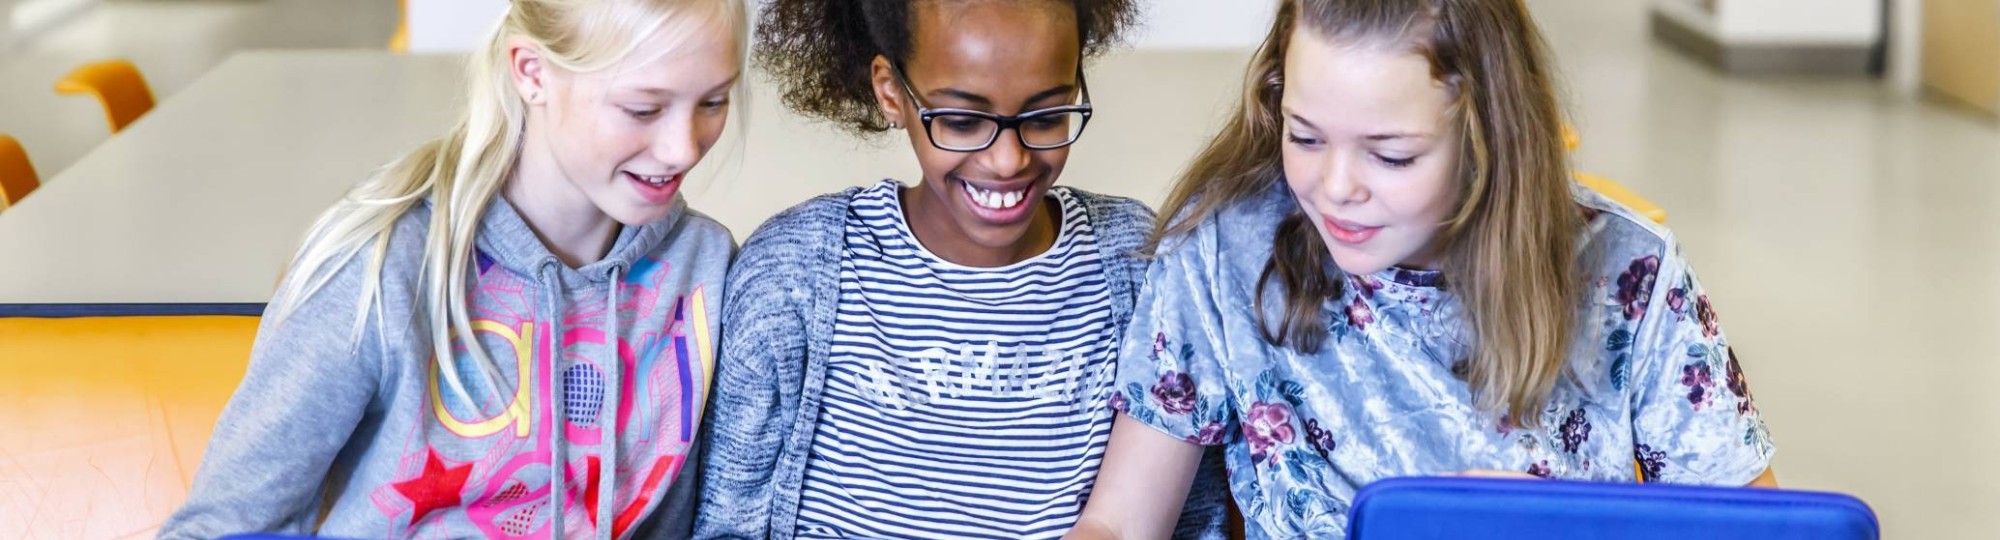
(885, 200)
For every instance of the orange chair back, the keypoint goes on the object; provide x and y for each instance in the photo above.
(17, 175)
(116, 84)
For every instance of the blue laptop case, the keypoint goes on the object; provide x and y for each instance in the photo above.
(1440, 508)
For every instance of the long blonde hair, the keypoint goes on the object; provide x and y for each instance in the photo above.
(462, 172)
(1510, 249)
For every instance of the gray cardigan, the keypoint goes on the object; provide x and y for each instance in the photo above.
(777, 329)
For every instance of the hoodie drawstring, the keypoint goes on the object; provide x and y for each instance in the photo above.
(607, 413)
(558, 404)
(607, 489)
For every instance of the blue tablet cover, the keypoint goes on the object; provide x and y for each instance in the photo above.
(1438, 508)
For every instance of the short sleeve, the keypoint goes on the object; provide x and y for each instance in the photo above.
(1169, 370)
(1695, 421)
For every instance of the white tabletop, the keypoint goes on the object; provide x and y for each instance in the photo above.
(203, 201)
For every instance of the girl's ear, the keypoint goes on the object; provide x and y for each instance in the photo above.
(524, 66)
(888, 91)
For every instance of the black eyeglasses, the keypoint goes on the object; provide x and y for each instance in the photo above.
(963, 130)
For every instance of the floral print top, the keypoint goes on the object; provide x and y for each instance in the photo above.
(1653, 384)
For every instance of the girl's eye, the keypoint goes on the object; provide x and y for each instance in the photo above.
(1045, 122)
(962, 125)
(715, 104)
(1394, 163)
(1301, 141)
(642, 114)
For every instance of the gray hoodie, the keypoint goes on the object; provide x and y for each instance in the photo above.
(361, 436)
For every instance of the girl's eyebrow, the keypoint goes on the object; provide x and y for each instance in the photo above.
(658, 91)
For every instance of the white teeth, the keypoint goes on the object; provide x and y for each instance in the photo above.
(995, 200)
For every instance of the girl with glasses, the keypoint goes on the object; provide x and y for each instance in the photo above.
(933, 359)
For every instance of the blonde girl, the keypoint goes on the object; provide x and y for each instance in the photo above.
(509, 332)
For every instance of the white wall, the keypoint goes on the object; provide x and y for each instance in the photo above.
(452, 25)
(458, 25)
(23, 19)
(1205, 24)
(1835, 22)
(1782, 22)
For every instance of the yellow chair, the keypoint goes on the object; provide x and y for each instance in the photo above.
(1613, 190)
(400, 43)
(17, 175)
(105, 419)
(116, 84)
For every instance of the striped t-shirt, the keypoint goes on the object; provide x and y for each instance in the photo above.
(960, 402)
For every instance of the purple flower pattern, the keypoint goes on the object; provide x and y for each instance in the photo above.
(1575, 431)
(1175, 393)
(1321, 440)
(1635, 286)
(1267, 426)
(1699, 380)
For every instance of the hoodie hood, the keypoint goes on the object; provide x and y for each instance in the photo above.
(505, 239)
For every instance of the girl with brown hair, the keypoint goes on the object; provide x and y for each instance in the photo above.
(1380, 267)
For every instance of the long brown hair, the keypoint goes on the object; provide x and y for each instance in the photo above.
(1510, 249)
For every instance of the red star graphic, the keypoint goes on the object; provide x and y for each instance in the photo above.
(437, 488)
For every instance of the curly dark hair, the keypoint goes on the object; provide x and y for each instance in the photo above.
(821, 51)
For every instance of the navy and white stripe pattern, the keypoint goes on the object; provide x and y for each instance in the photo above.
(960, 402)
